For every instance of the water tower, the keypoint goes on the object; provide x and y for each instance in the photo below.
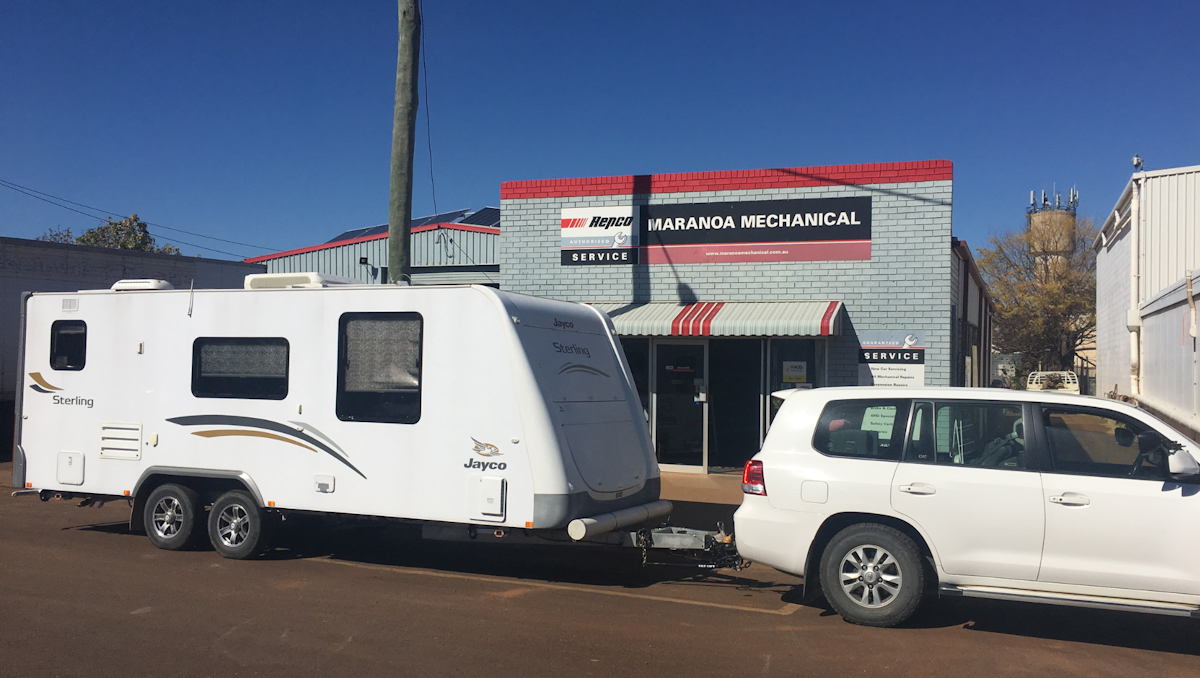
(1051, 226)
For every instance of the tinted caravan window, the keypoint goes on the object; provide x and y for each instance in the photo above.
(379, 367)
(68, 345)
(254, 368)
(869, 429)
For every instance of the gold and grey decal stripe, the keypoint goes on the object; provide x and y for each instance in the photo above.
(40, 384)
(290, 434)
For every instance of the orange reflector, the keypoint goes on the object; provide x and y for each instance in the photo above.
(126, 493)
(28, 484)
(528, 523)
(271, 504)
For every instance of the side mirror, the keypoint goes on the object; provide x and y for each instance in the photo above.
(1181, 464)
(1147, 440)
(1125, 438)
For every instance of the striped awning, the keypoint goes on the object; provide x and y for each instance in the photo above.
(727, 319)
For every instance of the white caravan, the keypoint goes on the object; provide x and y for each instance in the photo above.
(450, 404)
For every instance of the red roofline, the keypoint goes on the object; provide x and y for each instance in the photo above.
(830, 175)
(378, 236)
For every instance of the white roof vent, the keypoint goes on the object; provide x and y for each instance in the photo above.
(141, 284)
(269, 281)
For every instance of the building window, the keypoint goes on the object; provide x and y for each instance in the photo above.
(868, 429)
(68, 345)
(379, 367)
(254, 368)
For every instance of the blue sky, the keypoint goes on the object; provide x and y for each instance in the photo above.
(269, 123)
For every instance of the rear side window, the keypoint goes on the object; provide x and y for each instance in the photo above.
(379, 367)
(254, 368)
(68, 345)
(867, 429)
(983, 435)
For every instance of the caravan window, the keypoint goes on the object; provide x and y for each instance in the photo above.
(379, 367)
(68, 345)
(254, 368)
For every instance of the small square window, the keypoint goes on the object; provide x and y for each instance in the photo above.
(68, 345)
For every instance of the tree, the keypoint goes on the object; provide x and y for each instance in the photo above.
(126, 234)
(1043, 281)
(61, 235)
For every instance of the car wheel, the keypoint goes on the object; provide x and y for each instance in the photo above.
(872, 575)
(237, 526)
(170, 517)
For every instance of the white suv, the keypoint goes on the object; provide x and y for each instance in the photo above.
(887, 495)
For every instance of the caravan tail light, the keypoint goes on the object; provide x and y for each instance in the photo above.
(752, 478)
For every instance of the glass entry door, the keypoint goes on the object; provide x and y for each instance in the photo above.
(681, 403)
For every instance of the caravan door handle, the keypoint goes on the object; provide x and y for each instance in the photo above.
(1070, 499)
(918, 488)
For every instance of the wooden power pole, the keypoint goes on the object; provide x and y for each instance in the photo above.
(404, 123)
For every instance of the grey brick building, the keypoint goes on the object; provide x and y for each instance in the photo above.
(727, 286)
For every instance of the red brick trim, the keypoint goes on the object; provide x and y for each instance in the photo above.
(378, 236)
(831, 175)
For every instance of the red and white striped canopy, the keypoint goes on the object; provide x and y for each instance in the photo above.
(727, 319)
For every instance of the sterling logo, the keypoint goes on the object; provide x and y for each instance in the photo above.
(572, 349)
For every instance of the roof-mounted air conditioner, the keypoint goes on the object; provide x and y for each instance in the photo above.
(266, 281)
(141, 284)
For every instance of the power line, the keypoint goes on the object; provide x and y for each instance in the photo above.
(428, 134)
(108, 213)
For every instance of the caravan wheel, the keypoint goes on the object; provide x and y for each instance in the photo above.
(170, 517)
(237, 526)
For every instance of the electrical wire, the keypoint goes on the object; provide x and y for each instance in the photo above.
(108, 213)
(428, 134)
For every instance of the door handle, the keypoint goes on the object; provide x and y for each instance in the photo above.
(1070, 499)
(918, 488)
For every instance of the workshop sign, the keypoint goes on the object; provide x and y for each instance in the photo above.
(891, 358)
(817, 229)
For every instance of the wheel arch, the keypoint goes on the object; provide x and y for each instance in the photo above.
(840, 521)
(208, 483)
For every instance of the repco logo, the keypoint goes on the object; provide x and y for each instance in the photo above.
(565, 324)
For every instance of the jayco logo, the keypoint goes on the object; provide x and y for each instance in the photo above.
(565, 324)
(485, 465)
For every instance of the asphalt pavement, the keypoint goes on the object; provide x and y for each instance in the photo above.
(82, 596)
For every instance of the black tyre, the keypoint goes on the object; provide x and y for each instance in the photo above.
(872, 575)
(171, 517)
(237, 527)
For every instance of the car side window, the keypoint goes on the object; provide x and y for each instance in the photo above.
(981, 435)
(1098, 443)
(866, 429)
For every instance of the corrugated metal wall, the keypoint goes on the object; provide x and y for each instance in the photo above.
(438, 247)
(1169, 221)
(341, 261)
(450, 247)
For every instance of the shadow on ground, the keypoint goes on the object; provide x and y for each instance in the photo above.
(1050, 622)
(393, 543)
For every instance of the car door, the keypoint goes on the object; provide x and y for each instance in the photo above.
(1113, 516)
(967, 482)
